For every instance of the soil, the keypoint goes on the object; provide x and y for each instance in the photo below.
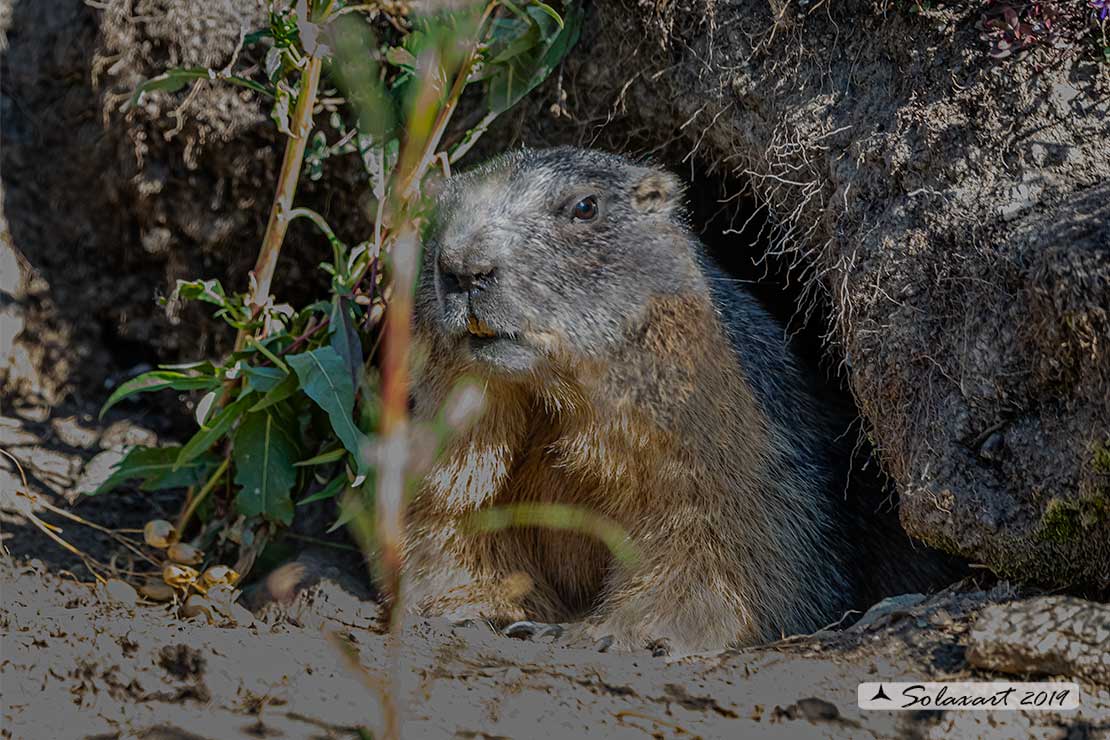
(942, 219)
(78, 661)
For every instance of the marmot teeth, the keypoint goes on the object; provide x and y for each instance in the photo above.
(479, 328)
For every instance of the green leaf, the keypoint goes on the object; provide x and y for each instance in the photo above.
(175, 79)
(263, 379)
(267, 353)
(199, 366)
(331, 490)
(356, 504)
(263, 452)
(216, 428)
(344, 338)
(401, 57)
(283, 102)
(155, 467)
(545, 8)
(510, 37)
(347, 512)
(278, 393)
(254, 37)
(157, 380)
(544, 21)
(515, 77)
(326, 379)
(209, 291)
(324, 457)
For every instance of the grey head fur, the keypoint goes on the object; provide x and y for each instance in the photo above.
(507, 250)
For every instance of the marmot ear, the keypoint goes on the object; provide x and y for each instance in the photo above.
(657, 191)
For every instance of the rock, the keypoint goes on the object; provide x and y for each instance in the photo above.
(888, 610)
(1049, 636)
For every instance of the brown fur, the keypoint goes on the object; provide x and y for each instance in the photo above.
(624, 375)
(633, 451)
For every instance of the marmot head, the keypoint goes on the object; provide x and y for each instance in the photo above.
(550, 256)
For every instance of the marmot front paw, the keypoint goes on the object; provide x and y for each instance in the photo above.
(588, 635)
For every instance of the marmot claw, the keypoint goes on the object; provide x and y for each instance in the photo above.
(577, 638)
(532, 630)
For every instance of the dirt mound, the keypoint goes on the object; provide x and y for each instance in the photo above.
(81, 660)
(108, 209)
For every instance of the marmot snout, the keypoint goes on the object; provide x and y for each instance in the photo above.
(626, 376)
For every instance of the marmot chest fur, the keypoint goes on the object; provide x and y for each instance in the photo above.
(628, 384)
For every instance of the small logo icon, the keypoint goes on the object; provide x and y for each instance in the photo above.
(880, 694)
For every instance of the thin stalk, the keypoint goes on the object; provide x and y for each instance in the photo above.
(445, 113)
(281, 211)
(394, 420)
(425, 135)
(280, 215)
(198, 499)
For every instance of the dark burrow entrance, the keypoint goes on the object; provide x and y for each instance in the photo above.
(739, 237)
(736, 231)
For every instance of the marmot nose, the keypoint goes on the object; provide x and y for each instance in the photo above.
(471, 277)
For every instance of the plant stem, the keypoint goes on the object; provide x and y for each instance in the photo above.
(280, 212)
(187, 514)
(424, 137)
(429, 152)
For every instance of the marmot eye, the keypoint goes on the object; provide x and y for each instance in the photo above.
(586, 209)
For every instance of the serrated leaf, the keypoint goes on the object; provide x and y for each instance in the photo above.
(217, 427)
(331, 490)
(324, 457)
(174, 79)
(263, 453)
(326, 379)
(157, 380)
(154, 466)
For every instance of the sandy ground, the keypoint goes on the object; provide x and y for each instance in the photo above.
(78, 663)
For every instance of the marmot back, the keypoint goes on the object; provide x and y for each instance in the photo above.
(623, 375)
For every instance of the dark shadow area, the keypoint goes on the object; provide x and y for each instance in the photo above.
(735, 231)
(734, 228)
